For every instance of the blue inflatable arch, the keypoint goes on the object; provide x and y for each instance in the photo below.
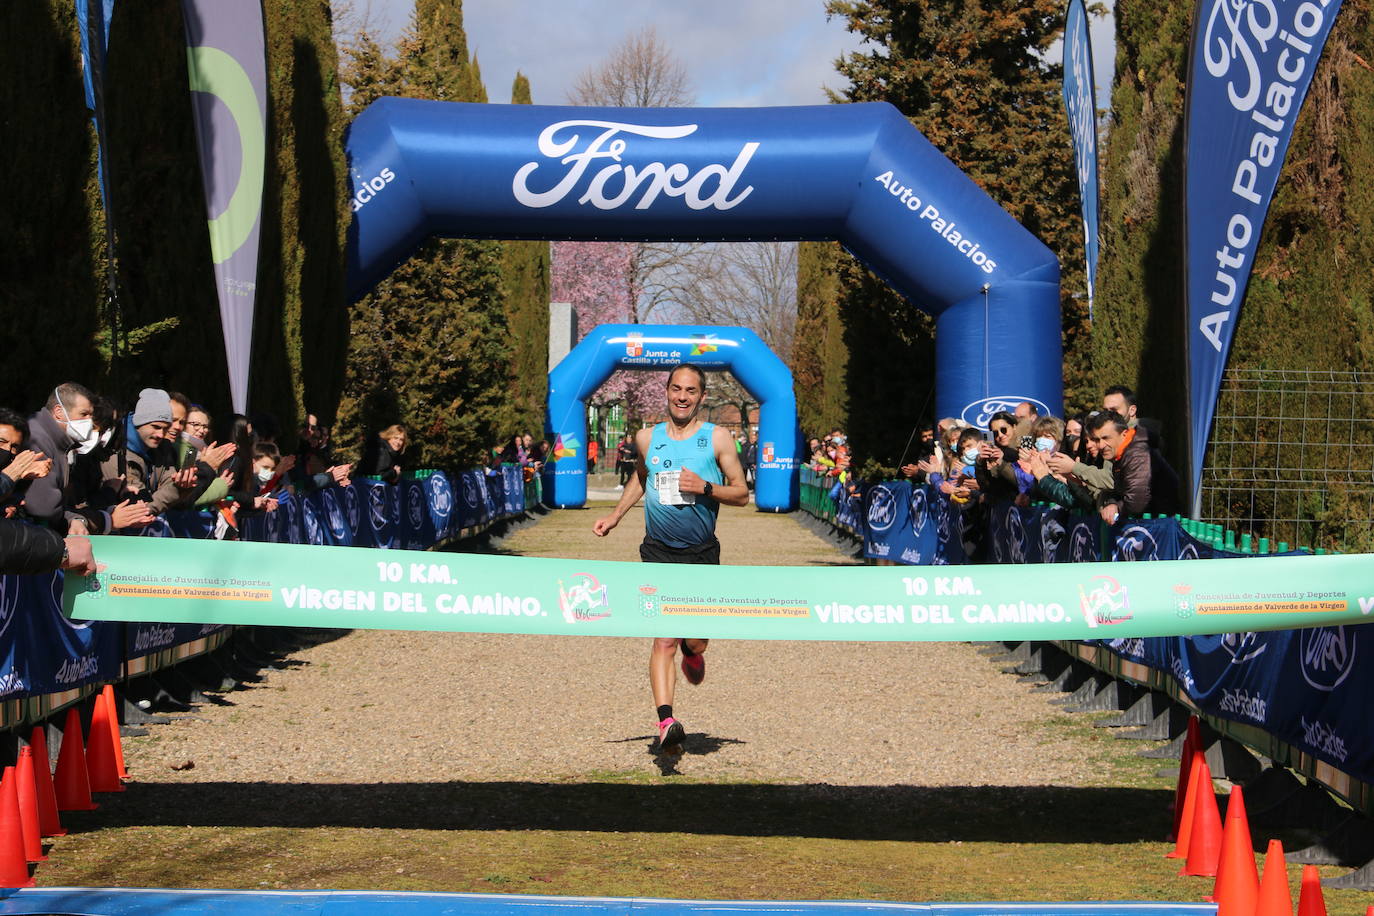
(857, 173)
(647, 346)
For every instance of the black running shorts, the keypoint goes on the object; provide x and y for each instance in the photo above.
(652, 551)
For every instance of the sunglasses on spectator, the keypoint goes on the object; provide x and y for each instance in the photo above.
(1001, 430)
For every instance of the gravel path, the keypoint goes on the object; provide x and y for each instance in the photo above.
(420, 707)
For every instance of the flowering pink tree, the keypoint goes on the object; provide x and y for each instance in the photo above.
(598, 278)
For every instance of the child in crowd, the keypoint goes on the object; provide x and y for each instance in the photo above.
(267, 467)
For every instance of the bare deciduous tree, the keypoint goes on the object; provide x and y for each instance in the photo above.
(743, 284)
(641, 72)
(749, 284)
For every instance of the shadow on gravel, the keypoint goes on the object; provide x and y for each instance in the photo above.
(1021, 814)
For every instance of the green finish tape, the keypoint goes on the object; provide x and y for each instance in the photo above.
(217, 73)
(188, 581)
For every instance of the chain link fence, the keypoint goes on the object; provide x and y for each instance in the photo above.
(1292, 457)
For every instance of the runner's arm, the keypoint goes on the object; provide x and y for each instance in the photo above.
(634, 489)
(734, 492)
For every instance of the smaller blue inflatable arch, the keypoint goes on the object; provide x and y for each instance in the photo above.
(654, 346)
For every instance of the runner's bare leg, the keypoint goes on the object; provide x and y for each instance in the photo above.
(662, 671)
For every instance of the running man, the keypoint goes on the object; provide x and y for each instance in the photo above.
(685, 469)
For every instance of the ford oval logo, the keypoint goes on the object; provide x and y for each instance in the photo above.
(1328, 656)
(882, 509)
(979, 413)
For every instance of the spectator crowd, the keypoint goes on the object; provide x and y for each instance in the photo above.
(1107, 461)
(83, 465)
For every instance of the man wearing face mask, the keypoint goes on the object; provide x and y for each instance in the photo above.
(18, 465)
(57, 431)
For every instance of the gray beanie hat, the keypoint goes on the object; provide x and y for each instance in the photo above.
(154, 405)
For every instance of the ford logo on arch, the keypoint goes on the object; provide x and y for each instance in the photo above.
(979, 413)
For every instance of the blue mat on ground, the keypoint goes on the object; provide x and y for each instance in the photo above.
(97, 901)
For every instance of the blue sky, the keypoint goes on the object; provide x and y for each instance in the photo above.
(736, 52)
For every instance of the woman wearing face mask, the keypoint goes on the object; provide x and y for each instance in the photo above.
(1060, 489)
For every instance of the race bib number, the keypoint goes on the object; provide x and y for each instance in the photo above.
(666, 484)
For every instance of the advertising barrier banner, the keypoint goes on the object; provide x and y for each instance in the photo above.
(43, 652)
(283, 585)
(1249, 71)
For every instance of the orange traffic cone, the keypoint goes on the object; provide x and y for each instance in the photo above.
(1204, 840)
(14, 868)
(48, 822)
(1310, 900)
(1185, 830)
(1275, 899)
(28, 806)
(112, 707)
(1191, 744)
(1236, 891)
(101, 767)
(72, 783)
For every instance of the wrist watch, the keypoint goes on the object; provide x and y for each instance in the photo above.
(707, 488)
(66, 552)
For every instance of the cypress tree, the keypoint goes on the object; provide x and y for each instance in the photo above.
(819, 356)
(431, 346)
(525, 267)
(1138, 326)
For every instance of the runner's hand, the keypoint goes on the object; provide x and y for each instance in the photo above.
(602, 526)
(690, 482)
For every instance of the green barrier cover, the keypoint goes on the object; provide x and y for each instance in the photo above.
(188, 581)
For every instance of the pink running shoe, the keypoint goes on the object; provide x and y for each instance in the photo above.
(694, 668)
(671, 734)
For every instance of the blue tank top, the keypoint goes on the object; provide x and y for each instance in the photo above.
(680, 525)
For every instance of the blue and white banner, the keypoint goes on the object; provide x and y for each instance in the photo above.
(1252, 62)
(899, 524)
(45, 652)
(1080, 102)
(1305, 687)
